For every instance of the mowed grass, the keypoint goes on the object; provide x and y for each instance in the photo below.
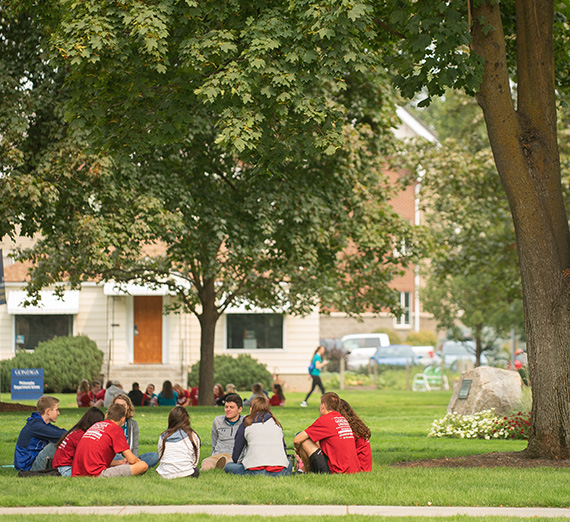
(253, 518)
(399, 422)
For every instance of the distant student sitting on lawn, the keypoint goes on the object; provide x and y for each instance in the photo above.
(183, 396)
(178, 447)
(136, 395)
(224, 429)
(361, 435)
(327, 445)
(277, 399)
(256, 391)
(98, 446)
(66, 446)
(149, 397)
(167, 397)
(38, 435)
(84, 397)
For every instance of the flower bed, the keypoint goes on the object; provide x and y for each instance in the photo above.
(482, 425)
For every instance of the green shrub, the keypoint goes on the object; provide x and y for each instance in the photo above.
(65, 361)
(243, 371)
(392, 334)
(422, 338)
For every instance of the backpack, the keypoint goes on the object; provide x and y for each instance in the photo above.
(311, 367)
(54, 472)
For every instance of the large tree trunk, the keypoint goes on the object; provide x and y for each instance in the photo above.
(208, 319)
(525, 148)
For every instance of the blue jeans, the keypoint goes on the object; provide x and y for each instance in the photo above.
(238, 469)
(44, 458)
(64, 471)
(151, 458)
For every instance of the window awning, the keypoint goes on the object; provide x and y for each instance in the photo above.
(49, 303)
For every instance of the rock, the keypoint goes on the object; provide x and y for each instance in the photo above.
(484, 388)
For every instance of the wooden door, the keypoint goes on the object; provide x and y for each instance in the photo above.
(148, 329)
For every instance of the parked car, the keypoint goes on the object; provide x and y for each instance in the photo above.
(427, 356)
(362, 347)
(454, 352)
(396, 355)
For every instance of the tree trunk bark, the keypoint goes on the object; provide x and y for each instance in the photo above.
(208, 319)
(524, 144)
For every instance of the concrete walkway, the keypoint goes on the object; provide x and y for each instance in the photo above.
(280, 510)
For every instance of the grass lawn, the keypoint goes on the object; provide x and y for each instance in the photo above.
(399, 422)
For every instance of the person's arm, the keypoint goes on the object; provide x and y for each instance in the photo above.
(214, 437)
(49, 432)
(130, 457)
(134, 433)
(301, 437)
(239, 443)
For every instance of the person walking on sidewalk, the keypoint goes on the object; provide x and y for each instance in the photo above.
(317, 363)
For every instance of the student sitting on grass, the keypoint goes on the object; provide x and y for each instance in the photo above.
(167, 397)
(260, 447)
(38, 435)
(84, 398)
(277, 399)
(327, 445)
(256, 391)
(149, 397)
(178, 447)
(98, 446)
(361, 435)
(131, 431)
(224, 429)
(66, 446)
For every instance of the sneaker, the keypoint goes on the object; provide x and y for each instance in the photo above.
(304, 404)
(221, 464)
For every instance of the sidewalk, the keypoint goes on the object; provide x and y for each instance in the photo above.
(277, 510)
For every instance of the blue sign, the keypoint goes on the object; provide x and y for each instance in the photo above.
(27, 384)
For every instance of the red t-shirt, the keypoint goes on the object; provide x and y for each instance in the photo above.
(66, 450)
(276, 401)
(83, 400)
(337, 442)
(100, 394)
(183, 397)
(364, 453)
(96, 449)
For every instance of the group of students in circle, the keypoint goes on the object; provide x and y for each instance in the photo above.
(107, 446)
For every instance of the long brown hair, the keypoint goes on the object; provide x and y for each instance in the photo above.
(90, 417)
(356, 423)
(179, 419)
(259, 408)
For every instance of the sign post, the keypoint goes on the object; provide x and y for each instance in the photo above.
(27, 384)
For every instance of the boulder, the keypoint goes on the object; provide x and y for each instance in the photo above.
(484, 388)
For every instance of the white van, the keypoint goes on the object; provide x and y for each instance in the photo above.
(362, 347)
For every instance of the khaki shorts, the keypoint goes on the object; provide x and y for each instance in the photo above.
(124, 470)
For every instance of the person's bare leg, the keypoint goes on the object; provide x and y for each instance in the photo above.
(304, 450)
(139, 467)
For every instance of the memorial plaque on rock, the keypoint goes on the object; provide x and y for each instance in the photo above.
(484, 388)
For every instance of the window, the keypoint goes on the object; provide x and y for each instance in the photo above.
(404, 319)
(33, 329)
(254, 331)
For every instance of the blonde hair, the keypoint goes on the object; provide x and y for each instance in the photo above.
(130, 409)
(83, 386)
(46, 402)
